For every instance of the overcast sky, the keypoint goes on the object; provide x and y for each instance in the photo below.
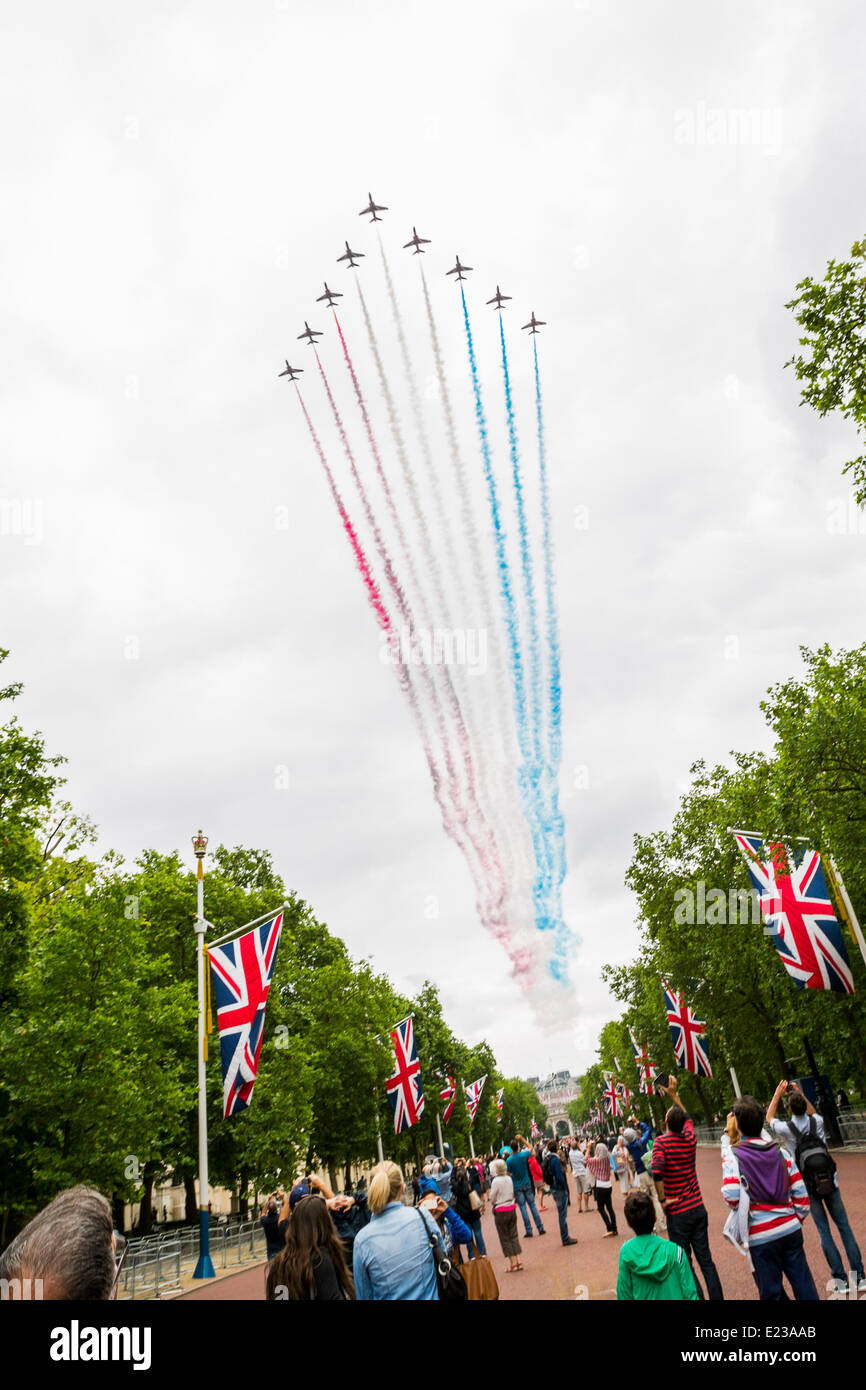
(652, 180)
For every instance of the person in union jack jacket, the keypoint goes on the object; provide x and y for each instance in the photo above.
(770, 1202)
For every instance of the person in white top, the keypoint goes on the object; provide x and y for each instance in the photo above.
(797, 1132)
(582, 1180)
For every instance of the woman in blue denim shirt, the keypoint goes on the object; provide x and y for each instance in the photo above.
(392, 1258)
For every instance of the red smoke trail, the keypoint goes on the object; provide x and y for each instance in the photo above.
(360, 558)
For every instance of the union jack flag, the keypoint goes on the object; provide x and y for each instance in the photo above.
(241, 972)
(405, 1092)
(499, 1095)
(796, 905)
(645, 1068)
(688, 1033)
(447, 1095)
(473, 1096)
(624, 1093)
(611, 1095)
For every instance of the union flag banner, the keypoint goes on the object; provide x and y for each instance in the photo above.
(447, 1096)
(405, 1092)
(689, 1034)
(796, 905)
(473, 1096)
(241, 971)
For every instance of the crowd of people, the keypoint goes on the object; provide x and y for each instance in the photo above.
(414, 1238)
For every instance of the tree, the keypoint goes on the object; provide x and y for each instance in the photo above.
(833, 311)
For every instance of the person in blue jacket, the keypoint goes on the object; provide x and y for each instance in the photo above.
(452, 1227)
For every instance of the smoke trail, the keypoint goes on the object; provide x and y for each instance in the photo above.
(554, 684)
(489, 911)
(521, 958)
(453, 561)
(451, 695)
(526, 782)
(525, 559)
(494, 793)
(484, 607)
(478, 571)
(540, 772)
(360, 558)
(405, 463)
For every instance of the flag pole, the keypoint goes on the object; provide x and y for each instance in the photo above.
(856, 930)
(204, 1268)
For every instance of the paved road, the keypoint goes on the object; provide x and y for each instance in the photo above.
(553, 1271)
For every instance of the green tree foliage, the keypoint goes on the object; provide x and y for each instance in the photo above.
(98, 1075)
(832, 371)
(700, 929)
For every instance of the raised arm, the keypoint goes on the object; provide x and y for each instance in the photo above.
(774, 1103)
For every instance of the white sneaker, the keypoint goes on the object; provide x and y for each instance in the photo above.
(861, 1287)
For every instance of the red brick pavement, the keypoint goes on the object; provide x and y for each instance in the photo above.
(553, 1271)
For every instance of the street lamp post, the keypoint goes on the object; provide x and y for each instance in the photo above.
(204, 1267)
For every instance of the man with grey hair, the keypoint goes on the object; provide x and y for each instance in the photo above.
(66, 1253)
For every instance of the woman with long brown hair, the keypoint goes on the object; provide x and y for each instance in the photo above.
(312, 1265)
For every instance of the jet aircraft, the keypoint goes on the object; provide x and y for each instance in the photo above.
(372, 208)
(330, 296)
(417, 241)
(291, 372)
(351, 256)
(534, 324)
(499, 298)
(458, 270)
(311, 334)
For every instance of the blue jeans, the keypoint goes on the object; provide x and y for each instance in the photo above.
(478, 1236)
(524, 1198)
(822, 1208)
(560, 1197)
(783, 1256)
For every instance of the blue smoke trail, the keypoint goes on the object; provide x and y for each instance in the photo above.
(554, 689)
(528, 578)
(550, 819)
(527, 772)
(554, 685)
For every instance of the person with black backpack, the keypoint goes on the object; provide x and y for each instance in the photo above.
(803, 1136)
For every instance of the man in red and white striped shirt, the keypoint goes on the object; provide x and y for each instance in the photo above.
(673, 1170)
(777, 1199)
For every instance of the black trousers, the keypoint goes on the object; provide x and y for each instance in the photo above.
(604, 1202)
(689, 1229)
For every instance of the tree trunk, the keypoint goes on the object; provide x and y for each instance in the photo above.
(244, 1193)
(191, 1203)
(117, 1213)
(348, 1175)
(144, 1210)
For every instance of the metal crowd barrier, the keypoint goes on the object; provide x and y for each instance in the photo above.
(155, 1264)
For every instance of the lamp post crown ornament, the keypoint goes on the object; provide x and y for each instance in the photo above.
(199, 844)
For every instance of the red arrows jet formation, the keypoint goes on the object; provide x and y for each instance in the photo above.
(417, 244)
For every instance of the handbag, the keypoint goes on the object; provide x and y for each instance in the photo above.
(448, 1280)
(474, 1200)
(480, 1281)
